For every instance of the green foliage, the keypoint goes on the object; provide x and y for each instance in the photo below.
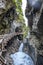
(20, 18)
(25, 30)
(5, 26)
(18, 4)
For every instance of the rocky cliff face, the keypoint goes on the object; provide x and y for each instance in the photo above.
(7, 15)
(35, 22)
(35, 18)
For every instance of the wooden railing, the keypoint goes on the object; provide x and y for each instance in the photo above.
(3, 42)
(5, 38)
(3, 61)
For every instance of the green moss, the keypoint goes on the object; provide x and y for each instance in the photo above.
(5, 23)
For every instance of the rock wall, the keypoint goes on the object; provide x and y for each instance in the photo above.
(7, 15)
(35, 18)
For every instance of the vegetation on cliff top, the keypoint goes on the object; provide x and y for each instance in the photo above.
(8, 15)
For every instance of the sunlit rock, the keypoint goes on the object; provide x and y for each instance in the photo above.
(2, 4)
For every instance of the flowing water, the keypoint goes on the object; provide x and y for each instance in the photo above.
(21, 58)
(24, 3)
(21, 47)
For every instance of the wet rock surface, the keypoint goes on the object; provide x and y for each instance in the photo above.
(36, 38)
(36, 32)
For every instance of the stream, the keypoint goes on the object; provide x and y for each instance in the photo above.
(21, 58)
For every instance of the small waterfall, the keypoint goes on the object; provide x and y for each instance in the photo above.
(24, 3)
(21, 47)
(21, 58)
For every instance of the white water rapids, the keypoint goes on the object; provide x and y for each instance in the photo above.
(24, 3)
(21, 58)
(21, 47)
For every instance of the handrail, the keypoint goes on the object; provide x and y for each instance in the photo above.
(2, 59)
(7, 37)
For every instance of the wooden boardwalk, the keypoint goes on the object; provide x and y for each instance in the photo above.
(3, 42)
(7, 37)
